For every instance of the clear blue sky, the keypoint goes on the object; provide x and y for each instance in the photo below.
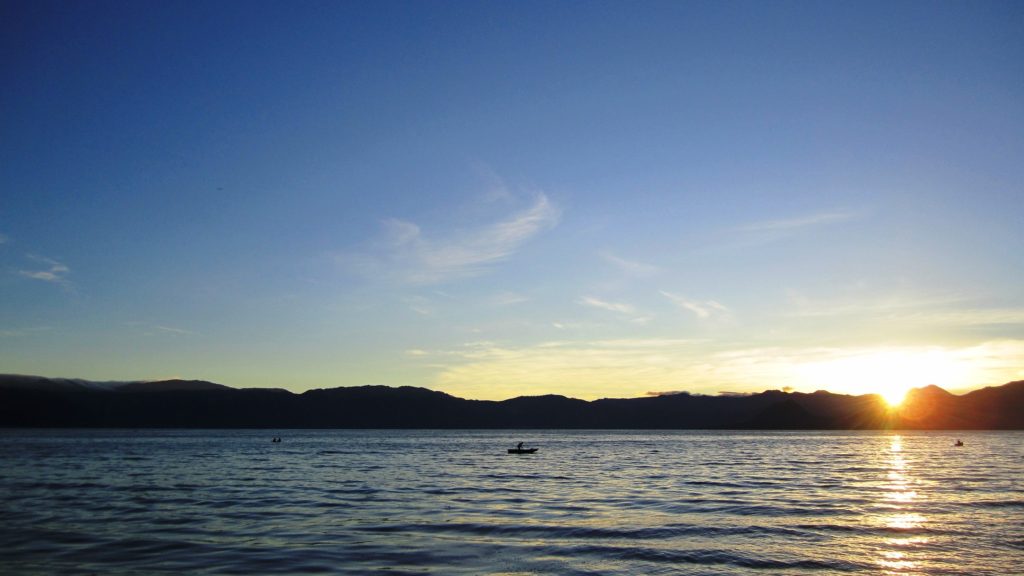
(503, 198)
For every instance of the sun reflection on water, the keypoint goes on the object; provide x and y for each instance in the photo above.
(900, 499)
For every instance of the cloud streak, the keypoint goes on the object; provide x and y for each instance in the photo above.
(907, 310)
(53, 271)
(411, 256)
(886, 304)
(631, 267)
(619, 307)
(702, 310)
(791, 224)
(173, 330)
(508, 299)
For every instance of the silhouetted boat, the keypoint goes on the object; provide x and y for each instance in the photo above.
(521, 450)
(958, 443)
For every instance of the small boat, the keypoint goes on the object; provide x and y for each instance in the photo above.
(959, 443)
(521, 450)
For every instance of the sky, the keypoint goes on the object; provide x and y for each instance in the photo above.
(495, 199)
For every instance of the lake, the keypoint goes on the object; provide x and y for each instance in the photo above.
(454, 502)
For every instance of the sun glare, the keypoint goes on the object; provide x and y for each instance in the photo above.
(893, 396)
(888, 373)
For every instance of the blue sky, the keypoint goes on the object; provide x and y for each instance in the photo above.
(494, 199)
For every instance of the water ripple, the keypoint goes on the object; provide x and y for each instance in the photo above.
(410, 502)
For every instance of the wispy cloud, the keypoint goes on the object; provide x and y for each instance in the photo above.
(27, 331)
(409, 255)
(52, 271)
(703, 310)
(874, 304)
(620, 307)
(508, 299)
(970, 317)
(150, 329)
(908, 309)
(496, 188)
(173, 330)
(576, 326)
(790, 224)
(631, 267)
(421, 306)
(628, 312)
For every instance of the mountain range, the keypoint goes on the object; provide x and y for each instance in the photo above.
(35, 401)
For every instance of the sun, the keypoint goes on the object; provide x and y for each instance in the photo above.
(893, 395)
(890, 373)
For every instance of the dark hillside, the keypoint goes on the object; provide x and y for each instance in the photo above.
(32, 401)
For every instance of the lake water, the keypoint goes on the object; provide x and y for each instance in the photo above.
(453, 502)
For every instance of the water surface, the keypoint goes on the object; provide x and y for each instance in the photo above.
(453, 502)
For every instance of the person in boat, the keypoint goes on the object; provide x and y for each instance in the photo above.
(519, 446)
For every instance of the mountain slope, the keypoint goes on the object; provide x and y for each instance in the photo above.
(33, 401)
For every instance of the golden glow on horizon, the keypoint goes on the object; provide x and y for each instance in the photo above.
(629, 368)
(888, 373)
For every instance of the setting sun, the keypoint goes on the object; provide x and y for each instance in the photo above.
(888, 373)
(894, 396)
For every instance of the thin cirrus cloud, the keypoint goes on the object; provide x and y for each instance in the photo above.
(508, 299)
(971, 317)
(411, 256)
(173, 330)
(52, 271)
(910, 309)
(150, 329)
(879, 304)
(631, 267)
(619, 307)
(701, 309)
(792, 224)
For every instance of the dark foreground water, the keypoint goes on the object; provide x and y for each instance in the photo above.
(232, 502)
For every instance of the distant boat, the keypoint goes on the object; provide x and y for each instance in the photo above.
(959, 443)
(521, 450)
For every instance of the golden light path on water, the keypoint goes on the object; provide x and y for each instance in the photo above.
(900, 500)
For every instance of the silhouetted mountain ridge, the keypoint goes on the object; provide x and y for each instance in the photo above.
(35, 401)
(170, 386)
